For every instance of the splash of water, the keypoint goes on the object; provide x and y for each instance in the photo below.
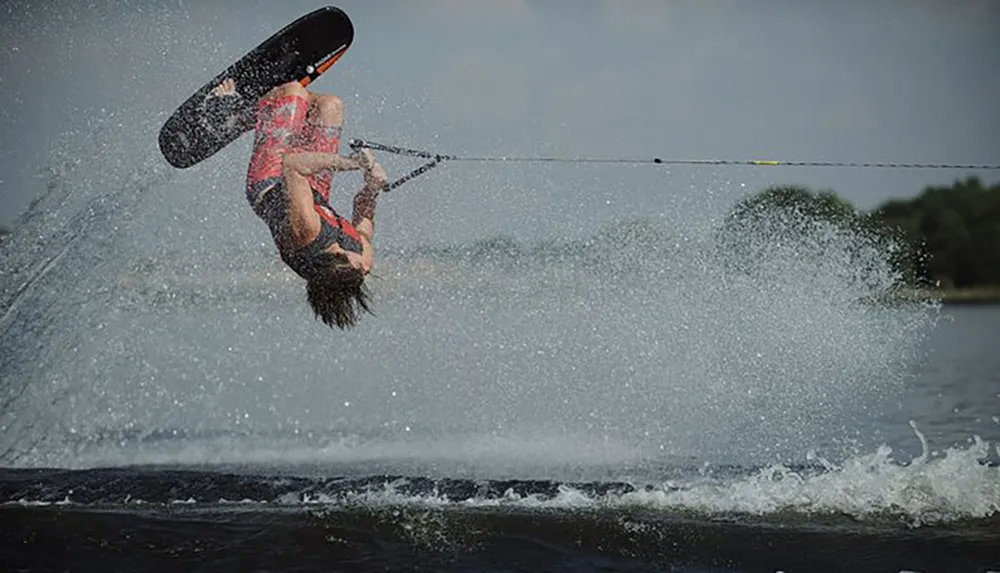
(641, 339)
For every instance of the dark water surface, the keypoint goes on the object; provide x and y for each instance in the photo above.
(938, 511)
(513, 407)
(370, 525)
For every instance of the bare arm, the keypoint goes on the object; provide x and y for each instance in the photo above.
(364, 200)
(303, 219)
(309, 163)
(364, 205)
(364, 223)
(364, 212)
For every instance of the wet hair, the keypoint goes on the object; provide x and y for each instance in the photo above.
(336, 291)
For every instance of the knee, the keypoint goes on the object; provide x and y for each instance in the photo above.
(329, 105)
(329, 109)
(289, 89)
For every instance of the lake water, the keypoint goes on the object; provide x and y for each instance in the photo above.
(955, 391)
(515, 405)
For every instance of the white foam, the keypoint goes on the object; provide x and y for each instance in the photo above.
(927, 490)
(954, 486)
(931, 488)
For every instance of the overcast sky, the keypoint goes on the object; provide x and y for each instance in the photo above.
(857, 80)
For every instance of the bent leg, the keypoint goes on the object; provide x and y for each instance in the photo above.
(325, 112)
(280, 121)
(322, 133)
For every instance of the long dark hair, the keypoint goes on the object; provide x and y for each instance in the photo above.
(336, 291)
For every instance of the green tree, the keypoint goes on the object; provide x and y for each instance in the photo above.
(780, 216)
(799, 202)
(948, 235)
(818, 221)
(954, 230)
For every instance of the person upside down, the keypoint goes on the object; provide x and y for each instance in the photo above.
(295, 154)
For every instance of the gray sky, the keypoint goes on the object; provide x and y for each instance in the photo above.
(904, 80)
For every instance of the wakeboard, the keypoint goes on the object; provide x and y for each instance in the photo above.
(301, 51)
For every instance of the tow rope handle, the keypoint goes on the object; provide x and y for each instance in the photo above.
(435, 159)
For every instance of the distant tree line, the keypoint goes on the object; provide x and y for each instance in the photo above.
(946, 235)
